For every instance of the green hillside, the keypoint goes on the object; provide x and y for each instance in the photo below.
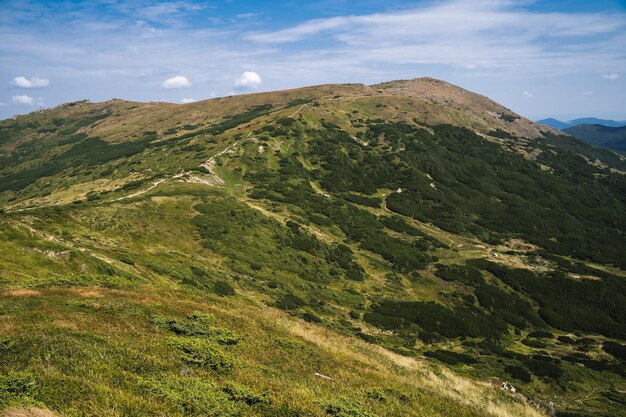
(342, 250)
(613, 138)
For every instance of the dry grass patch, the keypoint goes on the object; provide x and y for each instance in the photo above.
(27, 412)
(21, 292)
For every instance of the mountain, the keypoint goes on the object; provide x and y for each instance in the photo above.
(557, 124)
(613, 138)
(406, 248)
(554, 123)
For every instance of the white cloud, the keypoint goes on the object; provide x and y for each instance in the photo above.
(2, 104)
(611, 76)
(187, 100)
(23, 99)
(587, 93)
(249, 80)
(527, 94)
(499, 36)
(34, 82)
(179, 81)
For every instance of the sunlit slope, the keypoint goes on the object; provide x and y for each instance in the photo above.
(350, 244)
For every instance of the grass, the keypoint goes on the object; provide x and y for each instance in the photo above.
(146, 370)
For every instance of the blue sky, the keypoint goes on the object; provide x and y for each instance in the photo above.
(557, 58)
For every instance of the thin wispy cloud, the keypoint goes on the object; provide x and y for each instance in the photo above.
(611, 76)
(493, 35)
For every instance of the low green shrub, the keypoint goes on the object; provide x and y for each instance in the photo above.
(16, 388)
(191, 396)
(203, 353)
(290, 302)
(346, 407)
(241, 393)
(540, 334)
(518, 373)
(197, 325)
(223, 288)
(615, 349)
(451, 358)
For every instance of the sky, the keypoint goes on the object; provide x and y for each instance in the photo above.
(558, 58)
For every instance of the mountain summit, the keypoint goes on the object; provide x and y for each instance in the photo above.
(405, 248)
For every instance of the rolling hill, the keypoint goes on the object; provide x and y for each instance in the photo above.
(406, 248)
(613, 138)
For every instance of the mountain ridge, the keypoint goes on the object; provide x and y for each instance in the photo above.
(436, 97)
(322, 251)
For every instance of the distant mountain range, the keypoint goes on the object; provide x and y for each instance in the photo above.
(557, 124)
(609, 134)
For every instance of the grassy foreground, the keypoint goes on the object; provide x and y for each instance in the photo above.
(93, 351)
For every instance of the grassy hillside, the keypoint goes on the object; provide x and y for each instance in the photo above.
(399, 249)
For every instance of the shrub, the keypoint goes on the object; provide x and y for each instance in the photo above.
(463, 274)
(376, 394)
(518, 373)
(291, 343)
(290, 302)
(127, 260)
(203, 353)
(615, 349)
(191, 396)
(223, 288)
(434, 317)
(566, 339)
(346, 407)
(451, 358)
(534, 343)
(540, 334)
(244, 394)
(16, 387)
(544, 366)
(311, 318)
(197, 325)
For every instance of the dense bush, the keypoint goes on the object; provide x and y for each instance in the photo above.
(615, 349)
(518, 373)
(544, 366)
(568, 304)
(451, 358)
(540, 334)
(203, 353)
(290, 302)
(459, 273)
(223, 288)
(435, 318)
